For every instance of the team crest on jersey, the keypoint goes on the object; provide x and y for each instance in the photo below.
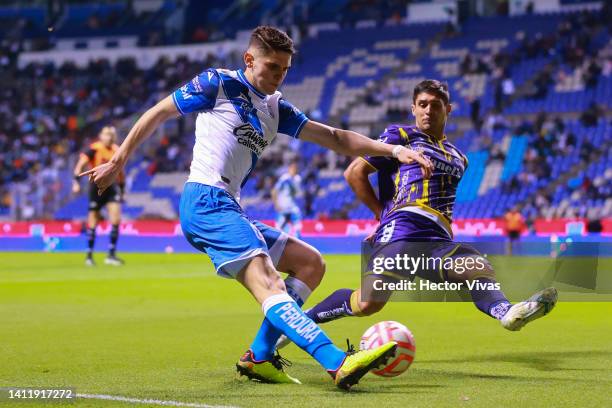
(248, 136)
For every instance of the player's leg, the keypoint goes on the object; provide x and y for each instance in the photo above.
(303, 262)
(296, 223)
(114, 217)
(282, 222)
(305, 267)
(92, 223)
(487, 295)
(486, 292)
(349, 302)
(344, 303)
(93, 217)
(213, 222)
(265, 284)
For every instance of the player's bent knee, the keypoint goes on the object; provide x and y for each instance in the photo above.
(309, 266)
(315, 269)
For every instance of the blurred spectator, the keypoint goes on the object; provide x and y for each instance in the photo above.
(475, 113)
(514, 226)
(50, 120)
(591, 115)
(591, 74)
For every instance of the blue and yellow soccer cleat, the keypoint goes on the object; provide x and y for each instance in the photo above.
(267, 371)
(538, 305)
(356, 365)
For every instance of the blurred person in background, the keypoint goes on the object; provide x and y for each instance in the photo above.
(98, 153)
(284, 195)
(514, 224)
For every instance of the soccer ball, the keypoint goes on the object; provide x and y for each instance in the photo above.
(384, 332)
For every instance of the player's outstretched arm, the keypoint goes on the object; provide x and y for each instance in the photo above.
(106, 174)
(356, 175)
(354, 144)
(83, 159)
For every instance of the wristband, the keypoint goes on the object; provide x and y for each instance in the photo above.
(396, 150)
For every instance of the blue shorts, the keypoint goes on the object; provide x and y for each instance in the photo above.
(214, 223)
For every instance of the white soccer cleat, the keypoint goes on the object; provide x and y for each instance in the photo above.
(113, 260)
(538, 305)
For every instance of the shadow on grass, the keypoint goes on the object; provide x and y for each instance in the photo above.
(539, 360)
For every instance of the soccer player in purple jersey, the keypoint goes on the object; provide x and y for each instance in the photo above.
(413, 208)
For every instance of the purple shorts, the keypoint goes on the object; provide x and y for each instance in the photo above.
(415, 236)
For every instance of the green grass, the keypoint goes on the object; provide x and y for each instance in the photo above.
(165, 327)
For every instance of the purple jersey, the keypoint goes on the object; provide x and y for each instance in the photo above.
(403, 187)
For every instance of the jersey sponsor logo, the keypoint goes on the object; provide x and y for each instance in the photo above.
(251, 138)
(455, 171)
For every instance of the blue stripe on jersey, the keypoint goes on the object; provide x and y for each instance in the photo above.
(244, 80)
(289, 185)
(238, 94)
(253, 163)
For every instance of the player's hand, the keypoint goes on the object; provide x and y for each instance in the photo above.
(104, 175)
(371, 235)
(76, 187)
(406, 155)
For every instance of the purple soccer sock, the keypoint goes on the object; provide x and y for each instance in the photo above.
(335, 306)
(490, 301)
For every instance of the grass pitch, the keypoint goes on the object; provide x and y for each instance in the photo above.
(165, 327)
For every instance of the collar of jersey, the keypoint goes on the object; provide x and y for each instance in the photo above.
(245, 81)
(428, 136)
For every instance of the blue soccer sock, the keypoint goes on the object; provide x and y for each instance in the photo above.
(287, 317)
(490, 301)
(335, 306)
(265, 341)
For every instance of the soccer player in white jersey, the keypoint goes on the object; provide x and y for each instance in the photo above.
(284, 194)
(239, 114)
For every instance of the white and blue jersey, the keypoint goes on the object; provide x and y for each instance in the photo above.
(288, 188)
(235, 123)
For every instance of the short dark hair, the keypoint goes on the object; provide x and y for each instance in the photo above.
(268, 38)
(434, 87)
